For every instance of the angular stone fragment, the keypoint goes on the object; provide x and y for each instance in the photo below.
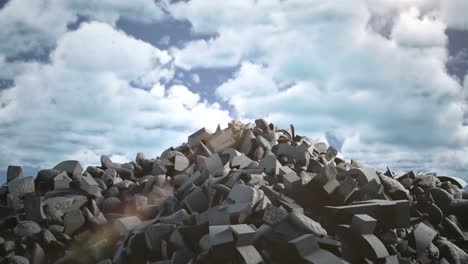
(307, 224)
(72, 221)
(21, 186)
(248, 142)
(201, 135)
(220, 235)
(423, 236)
(72, 167)
(214, 164)
(270, 165)
(196, 201)
(62, 181)
(14, 172)
(33, 208)
(126, 224)
(156, 233)
(363, 224)
(14, 202)
(240, 162)
(89, 185)
(244, 234)
(249, 255)
(364, 175)
(221, 140)
(304, 245)
(291, 182)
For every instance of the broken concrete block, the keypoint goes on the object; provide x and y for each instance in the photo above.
(363, 224)
(62, 181)
(196, 201)
(270, 165)
(14, 202)
(249, 255)
(72, 221)
(274, 215)
(72, 167)
(180, 162)
(155, 234)
(240, 162)
(14, 172)
(201, 135)
(89, 185)
(21, 186)
(304, 245)
(241, 194)
(126, 224)
(222, 140)
(364, 175)
(214, 164)
(291, 182)
(244, 234)
(220, 235)
(33, 208)
(302, 221)
(423, 236)
(248, 142)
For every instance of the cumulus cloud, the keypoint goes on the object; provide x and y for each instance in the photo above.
(389, 96)
(81, 104)
(32, 27)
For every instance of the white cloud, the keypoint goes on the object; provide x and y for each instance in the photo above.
(383, 95)
(410, 30)
(32, 27)
(81, 104)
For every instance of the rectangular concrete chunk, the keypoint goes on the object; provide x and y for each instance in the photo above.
(363, 224)
(291, 182)
(244, 234)
(220, 235)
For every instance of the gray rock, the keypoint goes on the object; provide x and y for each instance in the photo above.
(14, 172)
(89, 185)
(126, 224)
(62, 181)
(28, 229)
(21, 186)
(72, 167)
(33, 208)
(73, 221)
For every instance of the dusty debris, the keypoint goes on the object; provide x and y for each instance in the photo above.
(249, 193)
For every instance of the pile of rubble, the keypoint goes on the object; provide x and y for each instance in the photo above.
(250, 193)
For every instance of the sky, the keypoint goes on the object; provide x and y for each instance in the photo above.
(383, 81)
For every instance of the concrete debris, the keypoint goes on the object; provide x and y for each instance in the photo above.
(248, 193)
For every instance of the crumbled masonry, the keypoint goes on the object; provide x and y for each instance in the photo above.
(250, 193)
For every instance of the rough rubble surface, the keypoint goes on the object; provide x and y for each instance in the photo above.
(250, 193)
